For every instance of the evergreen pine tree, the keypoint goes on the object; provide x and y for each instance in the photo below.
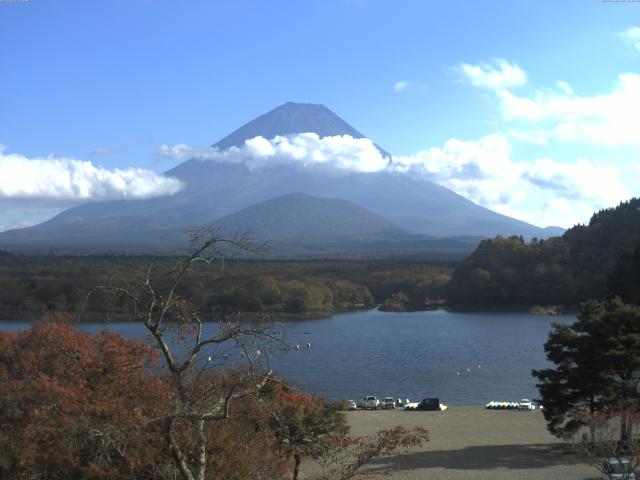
(597, 364)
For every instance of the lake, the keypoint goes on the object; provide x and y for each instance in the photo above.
(462, 358)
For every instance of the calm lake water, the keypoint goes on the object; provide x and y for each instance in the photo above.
(462, 358)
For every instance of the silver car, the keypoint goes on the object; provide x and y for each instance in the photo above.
(526, 404)
(371, 403)
(388, 403)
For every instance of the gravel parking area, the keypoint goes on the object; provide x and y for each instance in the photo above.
(470, 442)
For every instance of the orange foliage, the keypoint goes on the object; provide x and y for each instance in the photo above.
(82, 406)
(77, 405)
(293, 399)
(93, 407)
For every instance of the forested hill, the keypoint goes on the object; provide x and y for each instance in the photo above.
(33, 285)
(567, 270)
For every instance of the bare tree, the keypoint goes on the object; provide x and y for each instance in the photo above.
(210, 365)
(608, 443)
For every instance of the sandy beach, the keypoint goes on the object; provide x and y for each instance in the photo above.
(470, 442)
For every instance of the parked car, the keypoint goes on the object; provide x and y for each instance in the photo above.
(429, 405)
(371, 403)
(412, 406)
(388, 403)
(617, 468)
(526, 404)
(351, 405)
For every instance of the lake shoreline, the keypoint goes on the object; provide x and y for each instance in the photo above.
(258, 317)
(249, 317)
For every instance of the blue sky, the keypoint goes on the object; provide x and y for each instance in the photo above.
(440, 84)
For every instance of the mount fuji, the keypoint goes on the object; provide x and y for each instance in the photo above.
(383, 210)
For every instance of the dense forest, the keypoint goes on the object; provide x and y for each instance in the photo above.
(587, 262)
(33, 285)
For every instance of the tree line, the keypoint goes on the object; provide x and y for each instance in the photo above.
(32, 285)
(591, 395)
(591, 392)
(585, 263)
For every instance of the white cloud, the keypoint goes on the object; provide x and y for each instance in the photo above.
(498, 74)
(483, 171)
(610, 118)
(632, 36)
(514, 107)
(565, 87)
(401, 85)
(176, 152)
(582, 180)
(537, 137)
(261, 147)
(404, 85)
(560, 114)
(67, 179)
(305, 149)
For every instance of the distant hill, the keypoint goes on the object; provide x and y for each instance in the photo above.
(300, 225)
(566, 270)
(214, 190)
(300, 217)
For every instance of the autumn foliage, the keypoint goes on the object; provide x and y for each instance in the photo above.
(79, 406)
(74, 405)
(82, 406)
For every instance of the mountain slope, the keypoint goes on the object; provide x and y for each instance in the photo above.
(214, 190)
(297, 216)
(298, 225)
(413, 203)
(290, 119)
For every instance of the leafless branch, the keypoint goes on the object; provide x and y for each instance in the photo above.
(204, 391)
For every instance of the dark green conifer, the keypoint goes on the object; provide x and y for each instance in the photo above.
(597, 364)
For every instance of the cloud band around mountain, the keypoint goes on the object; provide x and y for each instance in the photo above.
(342, 152)
(483, 171)
(67, 179)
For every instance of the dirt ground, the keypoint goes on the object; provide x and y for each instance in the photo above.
(470, 442)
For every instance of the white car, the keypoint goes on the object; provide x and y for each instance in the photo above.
(526, 404)
(388, 403)
(371, 403)
(351, 405)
